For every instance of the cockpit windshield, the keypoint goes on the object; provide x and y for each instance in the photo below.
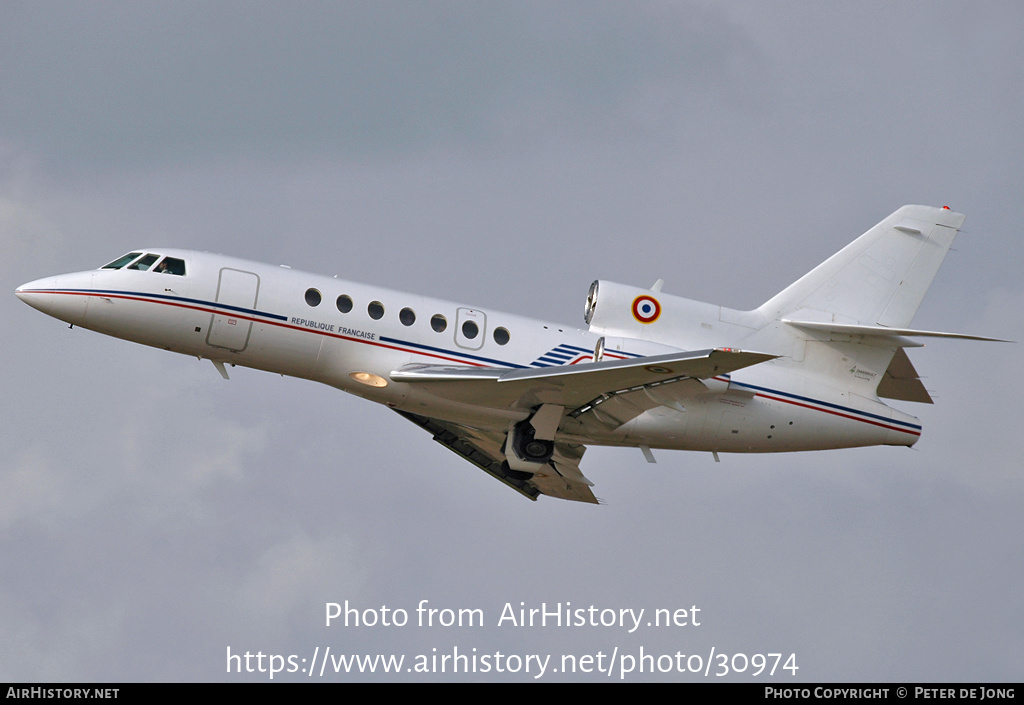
(143, 263)
(140, 262)
(121, 261)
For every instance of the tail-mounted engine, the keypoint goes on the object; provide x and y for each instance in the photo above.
(618, 311)
(628, 311)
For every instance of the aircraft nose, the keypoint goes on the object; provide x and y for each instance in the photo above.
(38, 294)
(65, 297)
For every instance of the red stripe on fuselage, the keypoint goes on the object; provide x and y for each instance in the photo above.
(243, 317)
(838, 413)
(890, 427)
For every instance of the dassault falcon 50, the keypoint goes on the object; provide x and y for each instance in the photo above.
(520, 398)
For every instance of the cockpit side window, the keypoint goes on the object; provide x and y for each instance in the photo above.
(121, 261)
(144, 263)
(171, 265)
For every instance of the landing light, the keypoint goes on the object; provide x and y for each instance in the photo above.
(369, 379)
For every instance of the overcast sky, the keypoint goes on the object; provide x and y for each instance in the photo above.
(153, 516)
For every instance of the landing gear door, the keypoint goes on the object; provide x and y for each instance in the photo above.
(470, 328)
(229, 328)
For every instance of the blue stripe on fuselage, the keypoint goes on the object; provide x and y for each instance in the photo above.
(830, 405)
(200, 302)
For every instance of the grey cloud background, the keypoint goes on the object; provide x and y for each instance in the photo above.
(153, 515)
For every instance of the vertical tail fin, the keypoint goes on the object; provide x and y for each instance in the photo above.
(878, 279)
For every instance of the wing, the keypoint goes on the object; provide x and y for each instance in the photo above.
(559, 478)
(572, 386)
(622, 389)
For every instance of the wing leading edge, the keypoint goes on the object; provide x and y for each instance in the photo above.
(571, 386)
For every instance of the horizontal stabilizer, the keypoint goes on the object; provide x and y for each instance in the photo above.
(884, 331)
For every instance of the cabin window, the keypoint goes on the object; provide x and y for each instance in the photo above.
(376, 310)
(313, 297)
(344, 303)
(171, 265)
(121, 261)
(501, 336)
(438, 322)
(470, 329)
(407, 316)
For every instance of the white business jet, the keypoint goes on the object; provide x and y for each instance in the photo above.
(521, 398)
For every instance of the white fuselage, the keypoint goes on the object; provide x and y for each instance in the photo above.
(285, 321)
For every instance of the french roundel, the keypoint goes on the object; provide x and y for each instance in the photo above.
(646, 309)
